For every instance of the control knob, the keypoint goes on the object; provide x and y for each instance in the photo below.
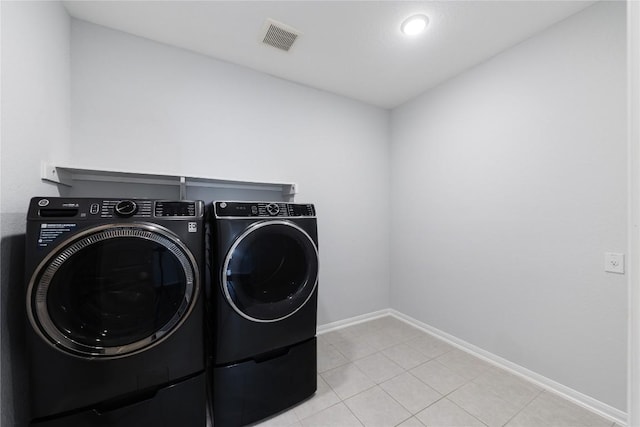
(273, 209)
(126, 208)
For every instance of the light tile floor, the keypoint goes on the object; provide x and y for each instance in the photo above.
(385, 372)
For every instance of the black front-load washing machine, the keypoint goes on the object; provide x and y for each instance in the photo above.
(262, 308)
(115, 330)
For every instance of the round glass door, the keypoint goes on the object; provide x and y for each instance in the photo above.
(271, 271)
(113, 290)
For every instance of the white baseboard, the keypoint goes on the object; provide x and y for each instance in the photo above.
(328, 327)
(593, 405)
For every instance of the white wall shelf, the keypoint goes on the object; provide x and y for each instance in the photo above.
(69, 178)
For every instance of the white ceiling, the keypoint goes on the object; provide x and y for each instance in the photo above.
(352, 48)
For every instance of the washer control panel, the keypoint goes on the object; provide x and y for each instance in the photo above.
(263, 209)
(88, 208)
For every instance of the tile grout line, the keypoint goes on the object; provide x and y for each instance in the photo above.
(353, 413)
(465, 411)
(328, 407)
(411, 414)
(524, 407)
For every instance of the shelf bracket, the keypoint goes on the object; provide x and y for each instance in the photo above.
(183, 188)
(51, 173)
(289, 191)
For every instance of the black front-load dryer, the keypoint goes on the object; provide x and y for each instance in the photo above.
(262, 308)
(115, 330)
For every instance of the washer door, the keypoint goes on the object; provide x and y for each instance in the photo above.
(113, 290)
(271, 271)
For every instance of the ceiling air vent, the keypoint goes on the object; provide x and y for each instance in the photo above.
(279, 35)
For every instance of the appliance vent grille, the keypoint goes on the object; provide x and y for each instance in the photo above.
(279, 35)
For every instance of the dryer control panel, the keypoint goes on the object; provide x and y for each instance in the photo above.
(263, 209)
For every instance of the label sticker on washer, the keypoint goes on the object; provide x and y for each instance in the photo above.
(51, 232)
(193, 227)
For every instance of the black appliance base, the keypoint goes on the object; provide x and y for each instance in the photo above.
(252, 390)
(181, 404)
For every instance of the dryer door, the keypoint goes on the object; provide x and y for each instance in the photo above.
(113, 290)
(271, 271)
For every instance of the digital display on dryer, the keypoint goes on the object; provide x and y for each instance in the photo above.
(236, 209)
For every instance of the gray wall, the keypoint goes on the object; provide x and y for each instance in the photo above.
(35, 126)
(143, 106)
(509, 183)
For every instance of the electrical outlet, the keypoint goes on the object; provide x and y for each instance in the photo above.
(614, 262)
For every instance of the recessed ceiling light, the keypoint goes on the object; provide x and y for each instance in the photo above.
(414, 24)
